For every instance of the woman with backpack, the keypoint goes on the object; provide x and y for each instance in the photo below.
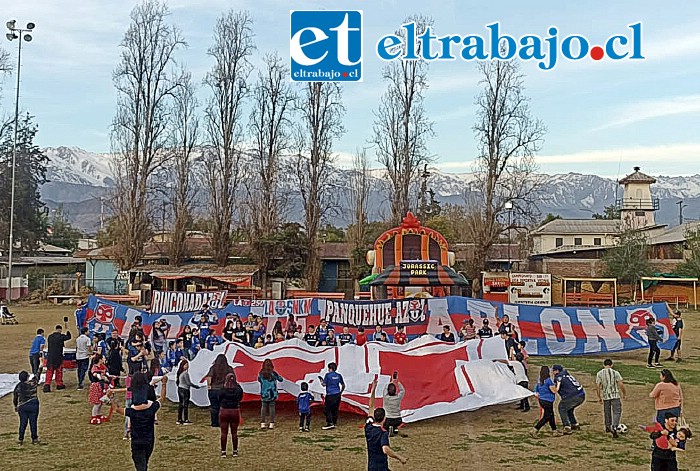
(268, 379)
(26, 404)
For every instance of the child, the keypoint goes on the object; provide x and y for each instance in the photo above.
(523, 352)
(259, 343)
(171, 355)
(346, 337)
(304, 401)
(194, 348)
(211, 341)
(184, 383)
(128, 400)
(98, 389)
(280, 338)
(164, 364)
(400, 335)
(311, 337)
(682, 435)
(268, 339)
(361, 337)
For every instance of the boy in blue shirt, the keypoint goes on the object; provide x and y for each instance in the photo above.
(194, 349)
(179, 352)
(170, 355)
(35, 351)
(304, 401)
(322, 331)
(211, 341)
(335, 385)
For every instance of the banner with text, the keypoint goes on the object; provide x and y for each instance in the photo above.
(547, 330)
(164, 302)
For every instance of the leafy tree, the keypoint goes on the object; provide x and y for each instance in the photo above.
(289, 251)
(609, 212)
(109, 235)
(61, 233)
(444, 226)
(329, 234)
(691, 265)
(30, 174)
(627, 260)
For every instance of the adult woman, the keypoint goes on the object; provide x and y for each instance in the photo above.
(228, 331)
(239, 333)
(291, 327)
(215, 380)
(654, 338)
(268, 379)
(230, 413)
(159, 335)
(186, 337)
(184, 383)
(26, 405)
(277, 330)
(544, 390)
(668, 396)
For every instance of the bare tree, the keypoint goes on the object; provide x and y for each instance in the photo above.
(184, 141)
(321, 109)
(233, 46)
(401, 126)
(360, 187)
(145, 84)
(270, 128)
(506, 172)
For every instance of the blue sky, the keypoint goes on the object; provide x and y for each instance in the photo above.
(602, 117)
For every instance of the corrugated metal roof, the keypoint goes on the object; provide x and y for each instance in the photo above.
(206, 271)
(675, 234)
(580, 226)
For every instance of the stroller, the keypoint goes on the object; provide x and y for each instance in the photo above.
(6, 317)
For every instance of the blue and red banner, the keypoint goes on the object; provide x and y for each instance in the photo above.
(547, 330)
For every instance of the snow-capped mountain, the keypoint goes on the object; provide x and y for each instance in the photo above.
(78, 166)
(77, 179)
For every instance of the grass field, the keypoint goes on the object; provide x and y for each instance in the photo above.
(491, 438)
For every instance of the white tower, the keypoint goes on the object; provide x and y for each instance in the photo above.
(637, 205)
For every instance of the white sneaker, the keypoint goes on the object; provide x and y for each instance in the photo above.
(263, 425)
(272, 425)
(328, 427)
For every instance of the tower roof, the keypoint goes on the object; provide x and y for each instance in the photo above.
(637, 177)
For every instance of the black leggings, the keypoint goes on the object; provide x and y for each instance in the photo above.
(183, 406)
(331, 407)
(654, 352)
(547, 415)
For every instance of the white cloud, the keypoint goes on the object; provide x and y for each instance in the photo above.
(676, 153)
(653, 109)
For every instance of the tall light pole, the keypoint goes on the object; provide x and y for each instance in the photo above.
(21, 34)
(509, 207)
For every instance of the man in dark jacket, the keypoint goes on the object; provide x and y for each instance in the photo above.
(54, 358)
(664, 455)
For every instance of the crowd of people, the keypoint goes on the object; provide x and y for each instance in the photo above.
(143, 361)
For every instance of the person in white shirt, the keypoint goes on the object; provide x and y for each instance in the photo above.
(521, 379)
(83, 350)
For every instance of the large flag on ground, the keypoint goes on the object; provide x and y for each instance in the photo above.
(439, 378)
(547, 330)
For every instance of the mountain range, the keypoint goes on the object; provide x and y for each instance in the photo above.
(78, 179)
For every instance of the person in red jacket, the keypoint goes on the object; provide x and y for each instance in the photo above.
(361, 337)
(400, 336)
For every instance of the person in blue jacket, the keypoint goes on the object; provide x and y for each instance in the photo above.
(335, 385)
(571, 394)
(211, 341)
(544, 390)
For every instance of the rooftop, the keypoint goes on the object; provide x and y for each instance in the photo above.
(637, 177)
(580, 226)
